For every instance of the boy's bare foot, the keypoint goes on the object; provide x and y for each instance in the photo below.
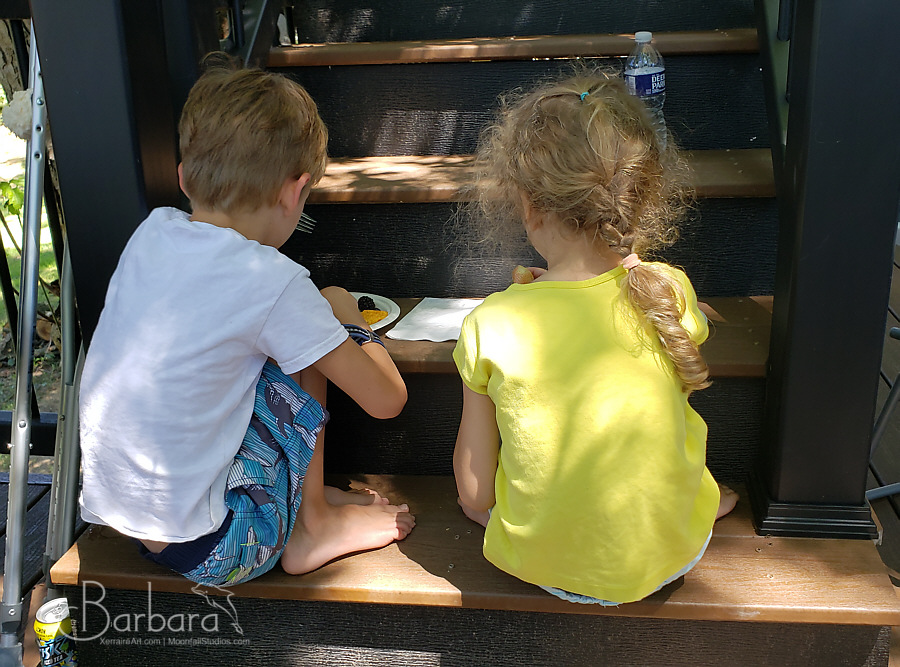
(337, 496)
(336, 530)
(475, 515)
(727, 500)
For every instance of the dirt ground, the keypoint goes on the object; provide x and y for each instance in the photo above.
(46, 377)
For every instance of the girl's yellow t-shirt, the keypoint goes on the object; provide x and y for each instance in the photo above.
(602, 487)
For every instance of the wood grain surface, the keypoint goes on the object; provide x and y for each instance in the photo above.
(434, 178)
(738, 344)
(742, 577)
(739, 40)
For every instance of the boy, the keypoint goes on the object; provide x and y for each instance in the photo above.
(208, 328)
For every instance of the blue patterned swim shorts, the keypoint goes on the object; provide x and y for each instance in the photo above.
(263, 491)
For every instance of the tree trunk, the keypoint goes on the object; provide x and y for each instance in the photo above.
(12, 74)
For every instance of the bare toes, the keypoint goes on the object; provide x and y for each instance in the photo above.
(727, 500)
(374, 496)
(405, 523)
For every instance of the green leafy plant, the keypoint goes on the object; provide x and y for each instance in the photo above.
(12, 196)
(46, 351)
(12, 200)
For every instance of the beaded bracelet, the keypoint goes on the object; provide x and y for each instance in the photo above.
(361, 335)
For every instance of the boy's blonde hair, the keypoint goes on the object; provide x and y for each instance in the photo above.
(585, 151)
(243, 132)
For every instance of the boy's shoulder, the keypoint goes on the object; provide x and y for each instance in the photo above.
(169, 235)
(163, 214)
(157, 222)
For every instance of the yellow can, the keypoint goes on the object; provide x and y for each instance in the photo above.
(53, 628)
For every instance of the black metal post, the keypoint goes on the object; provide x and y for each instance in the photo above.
(785, 19)
(258, 26)
(113, 129)
(839, 194)
(191, 30)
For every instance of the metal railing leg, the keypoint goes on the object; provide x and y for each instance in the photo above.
(11, 604)
(64, 491)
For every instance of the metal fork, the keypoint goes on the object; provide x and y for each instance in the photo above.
(305, 224)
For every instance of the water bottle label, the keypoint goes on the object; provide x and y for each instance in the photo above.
(644, 85)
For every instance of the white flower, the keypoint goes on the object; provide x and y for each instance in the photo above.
(17, 114)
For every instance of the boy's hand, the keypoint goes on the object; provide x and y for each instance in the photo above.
(344, 306)
(376, 387)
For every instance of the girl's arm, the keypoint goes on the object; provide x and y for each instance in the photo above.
(476, 452)
(366, 373)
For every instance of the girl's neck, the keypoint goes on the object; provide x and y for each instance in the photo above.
(572, 258)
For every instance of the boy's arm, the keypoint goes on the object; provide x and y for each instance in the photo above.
(366, 373)
(477, 450)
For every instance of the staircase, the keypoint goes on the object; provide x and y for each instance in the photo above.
(404, 89)
(403, 118)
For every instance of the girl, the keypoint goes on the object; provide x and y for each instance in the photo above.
(599, 492)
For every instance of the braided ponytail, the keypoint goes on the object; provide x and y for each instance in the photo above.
(661, 303)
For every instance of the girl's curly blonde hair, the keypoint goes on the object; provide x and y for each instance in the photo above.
(585, 151)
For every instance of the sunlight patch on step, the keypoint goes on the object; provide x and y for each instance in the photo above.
(359, 655)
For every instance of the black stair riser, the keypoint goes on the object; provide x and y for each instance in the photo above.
(440, 108)
(391, 20)
(727, 247)
(420, 441)
(733, 410)
(284, 632)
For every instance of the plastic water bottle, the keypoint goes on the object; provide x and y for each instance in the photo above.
(645, 76)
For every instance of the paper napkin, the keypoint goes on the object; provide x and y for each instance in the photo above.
(434, 319)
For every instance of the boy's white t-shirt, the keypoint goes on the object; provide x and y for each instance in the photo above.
(192, 312)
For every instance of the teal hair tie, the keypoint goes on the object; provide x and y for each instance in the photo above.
(583, 95)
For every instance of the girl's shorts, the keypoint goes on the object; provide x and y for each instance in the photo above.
(263, 491)
(586, 599)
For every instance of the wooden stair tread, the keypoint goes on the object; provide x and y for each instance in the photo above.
(738, 344)
(443, 178)
(689, 42)
(742, 577)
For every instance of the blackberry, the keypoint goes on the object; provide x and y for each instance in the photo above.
(366, 303)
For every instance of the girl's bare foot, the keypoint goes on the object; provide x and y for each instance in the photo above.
(337, 496)
(475, 515)
(727, 500)
(329, 531)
